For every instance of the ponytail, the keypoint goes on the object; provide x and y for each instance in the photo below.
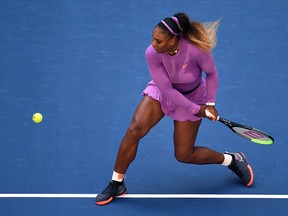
(202, 35)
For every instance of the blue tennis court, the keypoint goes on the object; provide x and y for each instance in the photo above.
(81, 64)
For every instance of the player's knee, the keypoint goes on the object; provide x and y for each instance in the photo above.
(185, 156)
(182, 157)
(135, 130)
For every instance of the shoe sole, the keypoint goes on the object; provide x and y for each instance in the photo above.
(252, 176)
(108, 201)
(250, 170)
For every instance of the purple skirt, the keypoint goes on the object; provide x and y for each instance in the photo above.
(176, 112)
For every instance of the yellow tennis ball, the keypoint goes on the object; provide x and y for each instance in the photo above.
(37, 117)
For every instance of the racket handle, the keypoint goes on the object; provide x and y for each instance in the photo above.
(218, 118)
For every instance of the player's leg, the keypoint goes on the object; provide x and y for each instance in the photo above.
(185, 134)
(147, 114)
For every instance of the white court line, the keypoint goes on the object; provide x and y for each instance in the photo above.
(153, 196)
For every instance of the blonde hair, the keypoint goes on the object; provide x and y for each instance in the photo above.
(204, 35)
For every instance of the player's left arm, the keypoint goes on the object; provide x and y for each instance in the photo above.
(207, 64)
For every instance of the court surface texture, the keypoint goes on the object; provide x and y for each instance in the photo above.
(81, 64)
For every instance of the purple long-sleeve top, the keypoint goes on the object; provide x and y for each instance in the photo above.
(183, 72)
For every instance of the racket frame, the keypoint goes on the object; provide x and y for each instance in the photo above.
(231, 125)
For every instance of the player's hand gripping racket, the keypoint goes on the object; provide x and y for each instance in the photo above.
(252, 134)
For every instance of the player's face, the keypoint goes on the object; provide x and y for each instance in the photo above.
(161, 41)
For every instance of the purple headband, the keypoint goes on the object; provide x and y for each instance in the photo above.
(177, 22)
(167, 26)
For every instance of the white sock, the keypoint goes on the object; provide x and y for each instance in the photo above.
(117, 177)
(227, 160)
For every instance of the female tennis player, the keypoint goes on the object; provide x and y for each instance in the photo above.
(180, 52)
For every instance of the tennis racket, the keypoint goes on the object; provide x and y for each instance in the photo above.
(252, 134)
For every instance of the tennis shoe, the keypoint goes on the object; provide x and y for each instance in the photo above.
(114, 189)
(241, 168)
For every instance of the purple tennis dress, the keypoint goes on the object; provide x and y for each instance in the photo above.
(177, 81)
